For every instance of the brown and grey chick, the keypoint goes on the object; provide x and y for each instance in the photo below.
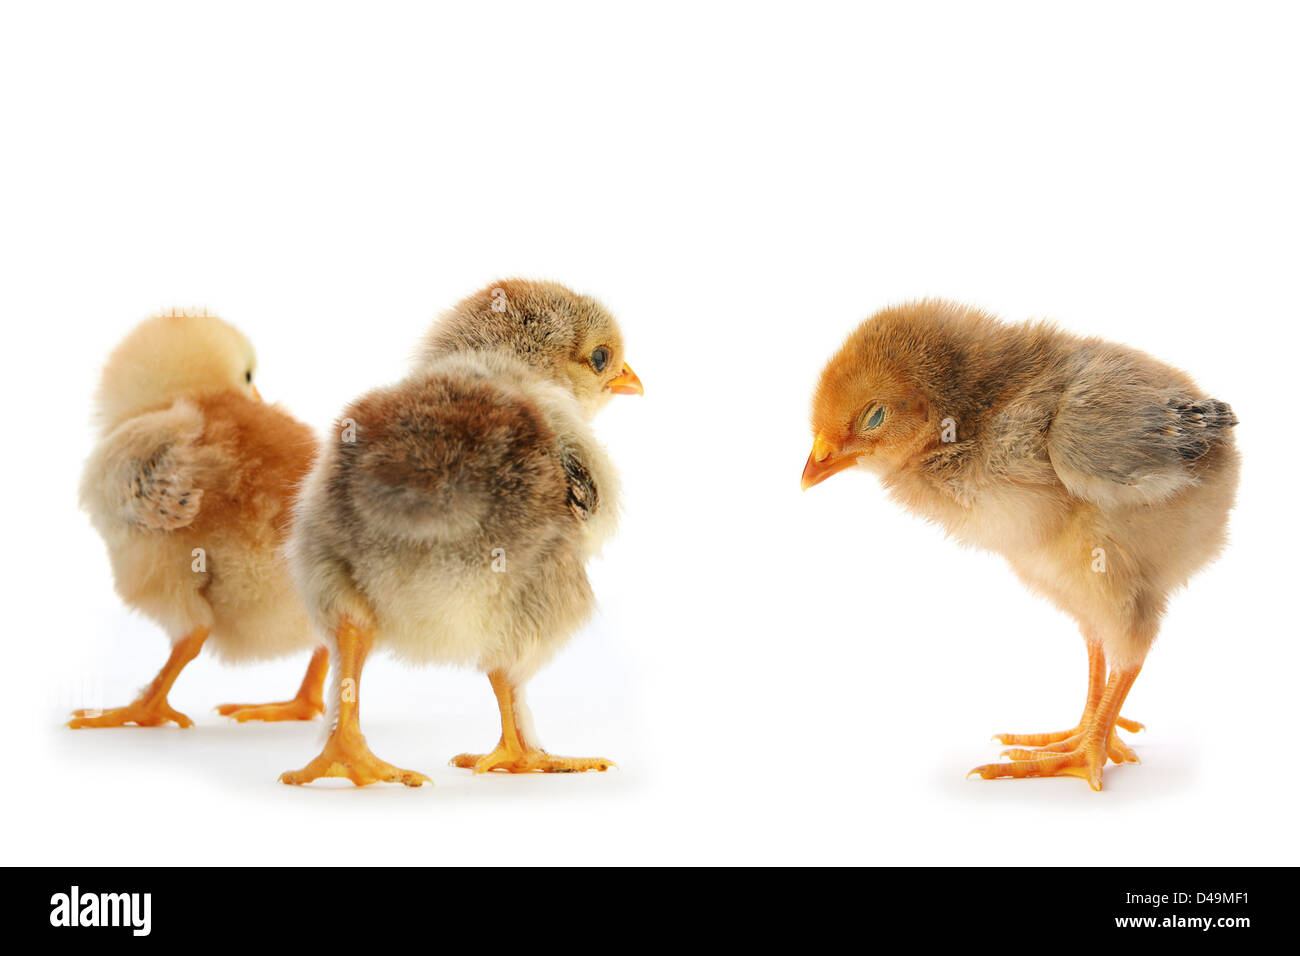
(451, 517)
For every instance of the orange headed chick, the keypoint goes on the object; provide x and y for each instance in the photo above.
(1103, 476)
(190, 487)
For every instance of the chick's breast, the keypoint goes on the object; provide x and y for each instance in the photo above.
(444, 510)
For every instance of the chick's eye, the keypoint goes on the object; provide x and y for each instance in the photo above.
(874, 419)
(248, 377)
(600, 359)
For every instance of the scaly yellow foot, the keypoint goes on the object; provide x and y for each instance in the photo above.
(346, 755)
(296, 709)
(143, 713)
(515, 760)
(1081, 763)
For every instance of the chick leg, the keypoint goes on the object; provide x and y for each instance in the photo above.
(345, 753)
(1066, 740)
(150, 709)
(514, 754)
(1087, 756)
(307, 704)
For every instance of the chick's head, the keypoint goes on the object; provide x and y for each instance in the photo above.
(169, 356)
(566, 337)
(872, 406)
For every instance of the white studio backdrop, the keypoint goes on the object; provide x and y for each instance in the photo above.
(782, 677)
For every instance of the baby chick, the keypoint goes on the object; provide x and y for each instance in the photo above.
(452, 519)
(1103, 477)
(190, 486)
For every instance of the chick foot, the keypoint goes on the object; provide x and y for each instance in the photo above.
(1083, 763)
(514, 760)
(150, 709)
(141, 713)
(296, 709)
(307, 704)
(346, 755)
(1082, 754)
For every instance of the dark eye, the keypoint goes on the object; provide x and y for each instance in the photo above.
(600, 359)
(874, 419)
(248, 377)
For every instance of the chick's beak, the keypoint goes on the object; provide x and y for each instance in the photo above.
(626, 383)
(824, 462)
(257, 395)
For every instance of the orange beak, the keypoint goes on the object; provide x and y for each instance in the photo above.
(824, 462)
(257, 395)
(626, 383)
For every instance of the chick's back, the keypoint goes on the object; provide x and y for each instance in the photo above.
(442, 512)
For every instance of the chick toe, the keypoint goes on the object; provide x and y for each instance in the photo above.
(516, 760)
(296, 709)
(1041, 740)
(1064, 742)
(1084, 763)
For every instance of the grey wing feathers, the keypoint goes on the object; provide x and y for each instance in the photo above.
(1121, 436)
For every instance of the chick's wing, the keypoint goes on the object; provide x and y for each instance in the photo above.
(143, 474)
(1124, 433)
(583, 495)
(445, 457)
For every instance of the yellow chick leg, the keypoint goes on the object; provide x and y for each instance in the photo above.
(307, 704)
(1086, 758)
(150, 709)
(1066, 740)
(345, 753)
(513, 753)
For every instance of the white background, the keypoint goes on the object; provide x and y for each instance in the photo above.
(782, 677)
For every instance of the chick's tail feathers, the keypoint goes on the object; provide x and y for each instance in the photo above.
(1125, 434)
(1197, 425)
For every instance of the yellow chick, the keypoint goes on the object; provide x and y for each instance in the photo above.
(190, 487)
